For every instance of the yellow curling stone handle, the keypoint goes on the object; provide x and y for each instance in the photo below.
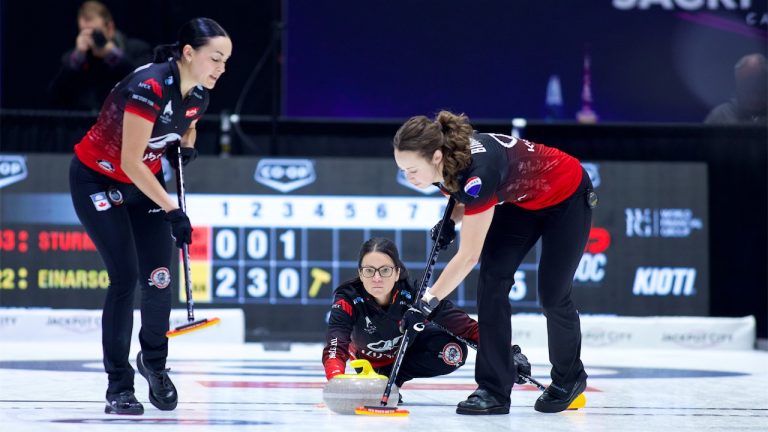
(367, 372)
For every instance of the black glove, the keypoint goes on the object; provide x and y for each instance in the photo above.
(412, 318)
(427, 308)
(447, 236)
(188, 154)
(181, 229)
(521, 363)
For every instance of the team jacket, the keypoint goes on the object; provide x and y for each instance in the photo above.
(153, 92)
(510, 169)
(359, 328)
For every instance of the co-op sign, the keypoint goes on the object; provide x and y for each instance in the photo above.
(13, 169)
(285, 175)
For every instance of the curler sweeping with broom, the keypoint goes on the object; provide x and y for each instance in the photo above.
(119, 195)
(512, 192)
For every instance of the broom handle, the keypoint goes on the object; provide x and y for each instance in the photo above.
(184, 247)
(422, 289)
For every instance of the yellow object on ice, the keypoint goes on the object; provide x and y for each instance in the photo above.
(345, 393)
(193, 326)
(366, 373)
(579, 402)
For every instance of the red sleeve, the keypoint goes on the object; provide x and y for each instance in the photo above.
(338, 337)
(145, 99)
(333, 367)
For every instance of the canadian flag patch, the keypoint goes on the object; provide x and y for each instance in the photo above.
(100, 201)
(191, 112)
(472, 186)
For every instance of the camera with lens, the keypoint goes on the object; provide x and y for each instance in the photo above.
(99, 40)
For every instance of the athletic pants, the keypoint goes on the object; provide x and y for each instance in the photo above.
(135, 244)
(564, 230)
(432, 352)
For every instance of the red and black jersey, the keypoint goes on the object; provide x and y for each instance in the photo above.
(510, 169)
(152, 92)
(359, 328)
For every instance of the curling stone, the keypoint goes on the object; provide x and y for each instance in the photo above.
(345, 392)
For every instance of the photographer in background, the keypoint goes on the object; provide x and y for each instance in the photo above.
(102, 56)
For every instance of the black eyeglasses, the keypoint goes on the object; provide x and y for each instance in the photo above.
(384, 271)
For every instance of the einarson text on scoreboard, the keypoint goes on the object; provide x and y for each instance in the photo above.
(276, 236)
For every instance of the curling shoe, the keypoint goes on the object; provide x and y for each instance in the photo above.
(123, 403)
(556, 399)
(482, 402)
(162, 392)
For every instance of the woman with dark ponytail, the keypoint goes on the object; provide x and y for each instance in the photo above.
(510, 193)
(119, 195)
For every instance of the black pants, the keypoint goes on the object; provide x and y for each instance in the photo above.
(432, 352)
(135, 244)
(564, 230)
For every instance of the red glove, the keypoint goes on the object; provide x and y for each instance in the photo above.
(333, 367)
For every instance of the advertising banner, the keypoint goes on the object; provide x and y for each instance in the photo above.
(274, 237)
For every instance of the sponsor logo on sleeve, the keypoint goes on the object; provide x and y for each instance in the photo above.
(152, 84)
(191, 112)
(472, 186)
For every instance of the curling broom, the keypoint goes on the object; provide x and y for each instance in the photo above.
(192, 324)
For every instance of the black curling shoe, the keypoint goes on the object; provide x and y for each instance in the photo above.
(481, 402)
(556, 399)
(162, 392)
(123, 403)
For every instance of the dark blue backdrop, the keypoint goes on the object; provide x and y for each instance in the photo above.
(651, 60)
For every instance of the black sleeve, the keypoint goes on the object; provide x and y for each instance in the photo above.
(478, 191)
(456, 321)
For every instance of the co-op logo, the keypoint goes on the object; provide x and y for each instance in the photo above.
(12, 169)
(285, 175)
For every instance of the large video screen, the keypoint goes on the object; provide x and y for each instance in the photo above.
(649, 60)
(276, 236)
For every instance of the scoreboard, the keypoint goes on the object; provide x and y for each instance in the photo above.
(276, 236)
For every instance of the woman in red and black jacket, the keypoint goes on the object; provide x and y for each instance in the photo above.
(365, 321)
(511, 192)
(118, 192)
